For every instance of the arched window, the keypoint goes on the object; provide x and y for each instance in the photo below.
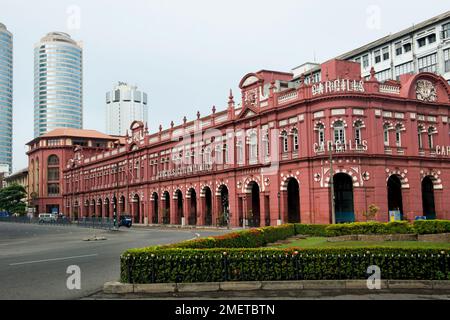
(253, 146)
(284, 141)
(420, 131)
(386, 129)
(53, 168)
(339, 132)
(295, 139)
(239, 152)
(321, 136)
(358, 134)
(431, 132)
(53, 160)
(266, 143)
(218, 154)
(398, 135)
(225, 153)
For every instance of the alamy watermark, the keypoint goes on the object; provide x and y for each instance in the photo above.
(74, 280)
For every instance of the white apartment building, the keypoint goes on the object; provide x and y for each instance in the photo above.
(124, 104)
(424, 47)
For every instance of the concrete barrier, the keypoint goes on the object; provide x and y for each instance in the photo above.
(304, 285)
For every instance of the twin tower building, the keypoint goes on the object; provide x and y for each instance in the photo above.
(58, 92)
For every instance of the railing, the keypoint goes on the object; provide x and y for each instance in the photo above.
(96, 223)
(351, 264)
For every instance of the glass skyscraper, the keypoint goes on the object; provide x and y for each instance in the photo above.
(6, 91)
(58, 83)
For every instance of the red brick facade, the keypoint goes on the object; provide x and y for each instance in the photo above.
(268, 159)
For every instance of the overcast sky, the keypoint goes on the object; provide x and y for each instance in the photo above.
(187, 54)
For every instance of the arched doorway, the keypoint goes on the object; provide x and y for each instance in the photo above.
(75, 210)
(136, 208)
(343, 198)
(208, 206)
(394, 189)
(179, 198)
(122, 205)
(166, 210)
(100, 207)
(253, 215)
(93, 208)
(224, 206)
(293, 201)
(86, 209)
(107, 211)
(192, 220)
(429, 208)
(155, 219)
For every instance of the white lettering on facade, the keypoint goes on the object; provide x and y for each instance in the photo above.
(344, 85)
(340, 146)
(443, 151)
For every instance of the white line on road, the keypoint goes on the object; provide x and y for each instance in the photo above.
(55, 259)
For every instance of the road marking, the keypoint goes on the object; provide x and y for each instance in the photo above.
(11, 243)
(55, 259)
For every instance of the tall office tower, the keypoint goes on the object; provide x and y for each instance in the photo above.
(58, 83)
(124, 104)
(6, 92)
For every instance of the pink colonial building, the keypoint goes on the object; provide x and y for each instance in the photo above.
(291, 148)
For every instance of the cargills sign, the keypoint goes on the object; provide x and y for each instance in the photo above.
(339, 85)
(340, 146)
(443, 151)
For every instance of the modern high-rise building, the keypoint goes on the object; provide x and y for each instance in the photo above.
(6, 98)
(58, 83)
(124, 104)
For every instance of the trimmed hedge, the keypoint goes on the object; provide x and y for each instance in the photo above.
(432, 226)
(357, 228)
(252, 238)
(313, 230)
(153, 265)
(398, 227)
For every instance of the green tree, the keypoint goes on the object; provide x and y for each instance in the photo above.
(12, 199)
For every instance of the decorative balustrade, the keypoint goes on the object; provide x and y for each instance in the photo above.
(389, 89)
(288, 97)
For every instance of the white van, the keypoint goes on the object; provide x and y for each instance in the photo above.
(47, 217)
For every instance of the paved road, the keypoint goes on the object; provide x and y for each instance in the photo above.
(34, 258)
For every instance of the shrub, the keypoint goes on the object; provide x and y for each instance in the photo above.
(431, 226)
(263, 264)
(252, 238)
(313, 230)
(398, 227)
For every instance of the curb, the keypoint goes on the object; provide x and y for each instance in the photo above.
(304, 285)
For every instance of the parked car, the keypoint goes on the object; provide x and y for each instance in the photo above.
(4, 214)
(125, 221)
(47, 217)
